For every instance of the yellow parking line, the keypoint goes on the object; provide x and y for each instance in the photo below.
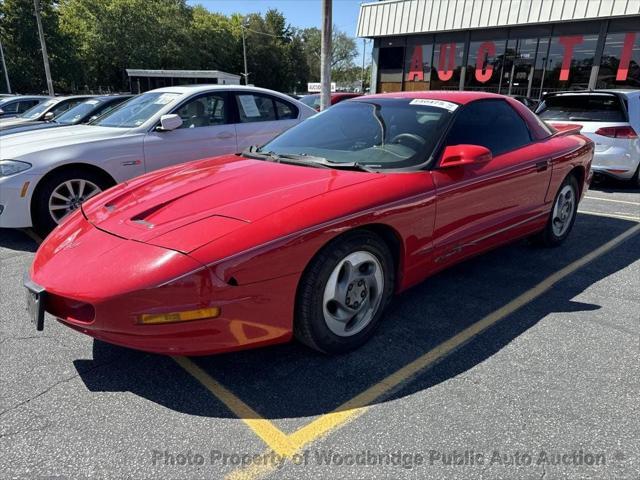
(613, 200)
(350, 410)
(266, 430)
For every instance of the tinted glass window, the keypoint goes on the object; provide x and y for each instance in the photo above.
(25, 105)
(204, 111)
(381, 133)
(64, 106)
(12, 107)
(285, 110)
(312, 101)
(255, 108)
(137, 110)
(75, 114)
(492, 124)
(595, 108)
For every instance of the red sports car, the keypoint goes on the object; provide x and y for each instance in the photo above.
(313, 233)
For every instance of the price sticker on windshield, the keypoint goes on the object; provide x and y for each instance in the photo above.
(430, 102)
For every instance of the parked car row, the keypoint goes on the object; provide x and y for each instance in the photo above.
(45, 174)
(309, 235)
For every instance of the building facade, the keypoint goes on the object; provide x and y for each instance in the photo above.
(515, 47)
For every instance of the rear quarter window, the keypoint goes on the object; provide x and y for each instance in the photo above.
(588, 108)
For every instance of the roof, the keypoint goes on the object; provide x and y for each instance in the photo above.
(183, 89)
(134, 72)
(451, 96)
(403, 17)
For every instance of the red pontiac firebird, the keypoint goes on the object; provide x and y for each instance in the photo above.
(311, 234)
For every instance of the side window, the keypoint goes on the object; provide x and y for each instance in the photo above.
(255, 108)
(285, 110)
(24, 105)
(492, 124)
(205, 111)
(64, 106)
(11, 107)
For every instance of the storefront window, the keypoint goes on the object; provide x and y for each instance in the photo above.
(485, 65)
(519, 66)
(447, 63)
(568, 65)
(538, 69)
(390, 63)
(620, 64)
(417, 69)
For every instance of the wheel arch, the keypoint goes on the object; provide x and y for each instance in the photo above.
(70, 166)
(389, 235)
(579, 172)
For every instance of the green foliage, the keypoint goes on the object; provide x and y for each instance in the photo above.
(91, 43)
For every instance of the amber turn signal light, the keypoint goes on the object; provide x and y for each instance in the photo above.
(187, 316)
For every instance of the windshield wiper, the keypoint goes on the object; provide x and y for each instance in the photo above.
(304, 159)
(252, 152)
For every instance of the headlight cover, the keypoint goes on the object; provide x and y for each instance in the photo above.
(11, 167)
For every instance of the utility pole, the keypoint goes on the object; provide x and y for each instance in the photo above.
(244, 53)
(4, 69)
(325, 55)
(43, 45)
(364, 56)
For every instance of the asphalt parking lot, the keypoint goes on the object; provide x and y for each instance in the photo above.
(522, 363)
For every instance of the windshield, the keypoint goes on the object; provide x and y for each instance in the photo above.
(77, 113)
(39, 109)
(136, 111)
(312, 101)
(379, 133)
(594, 108)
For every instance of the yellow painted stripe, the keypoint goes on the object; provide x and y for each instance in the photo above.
(627, 202)
(266, 430)
(612, 215)
(359, 404)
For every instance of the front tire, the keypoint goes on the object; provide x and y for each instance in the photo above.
(61, 193)
(343, 293)
(562, 215)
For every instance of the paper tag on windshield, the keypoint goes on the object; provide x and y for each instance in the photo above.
(430, 102)
(92, 102)
(249, 106)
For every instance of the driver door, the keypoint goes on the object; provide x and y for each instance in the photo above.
(205, 132)
(482, 205)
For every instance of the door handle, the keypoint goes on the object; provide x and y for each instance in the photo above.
(224, 135)
(542, 166)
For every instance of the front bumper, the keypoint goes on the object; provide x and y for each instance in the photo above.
(15, 200)
(100, 285)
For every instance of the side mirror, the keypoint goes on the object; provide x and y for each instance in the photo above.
(169, 122)
(48, 116)
(459, 155)
(1, 111)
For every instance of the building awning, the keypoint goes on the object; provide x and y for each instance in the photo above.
(405, 17)
(132, 72)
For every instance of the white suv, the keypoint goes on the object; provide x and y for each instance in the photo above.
(611, 118)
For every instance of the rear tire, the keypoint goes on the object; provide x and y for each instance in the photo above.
(343, 293)
(562, 215)
(62, 192)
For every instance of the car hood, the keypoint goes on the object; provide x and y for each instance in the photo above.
(12, 121)
(20, 144)
(27, 127)
(185, 207)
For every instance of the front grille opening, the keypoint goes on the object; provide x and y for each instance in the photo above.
(70, 309)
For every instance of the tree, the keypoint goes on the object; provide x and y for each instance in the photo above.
(23, 56)
(343, 51)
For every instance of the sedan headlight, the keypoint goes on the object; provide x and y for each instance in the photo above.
(11, 167)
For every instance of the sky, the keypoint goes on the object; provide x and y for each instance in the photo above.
(299, 13)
